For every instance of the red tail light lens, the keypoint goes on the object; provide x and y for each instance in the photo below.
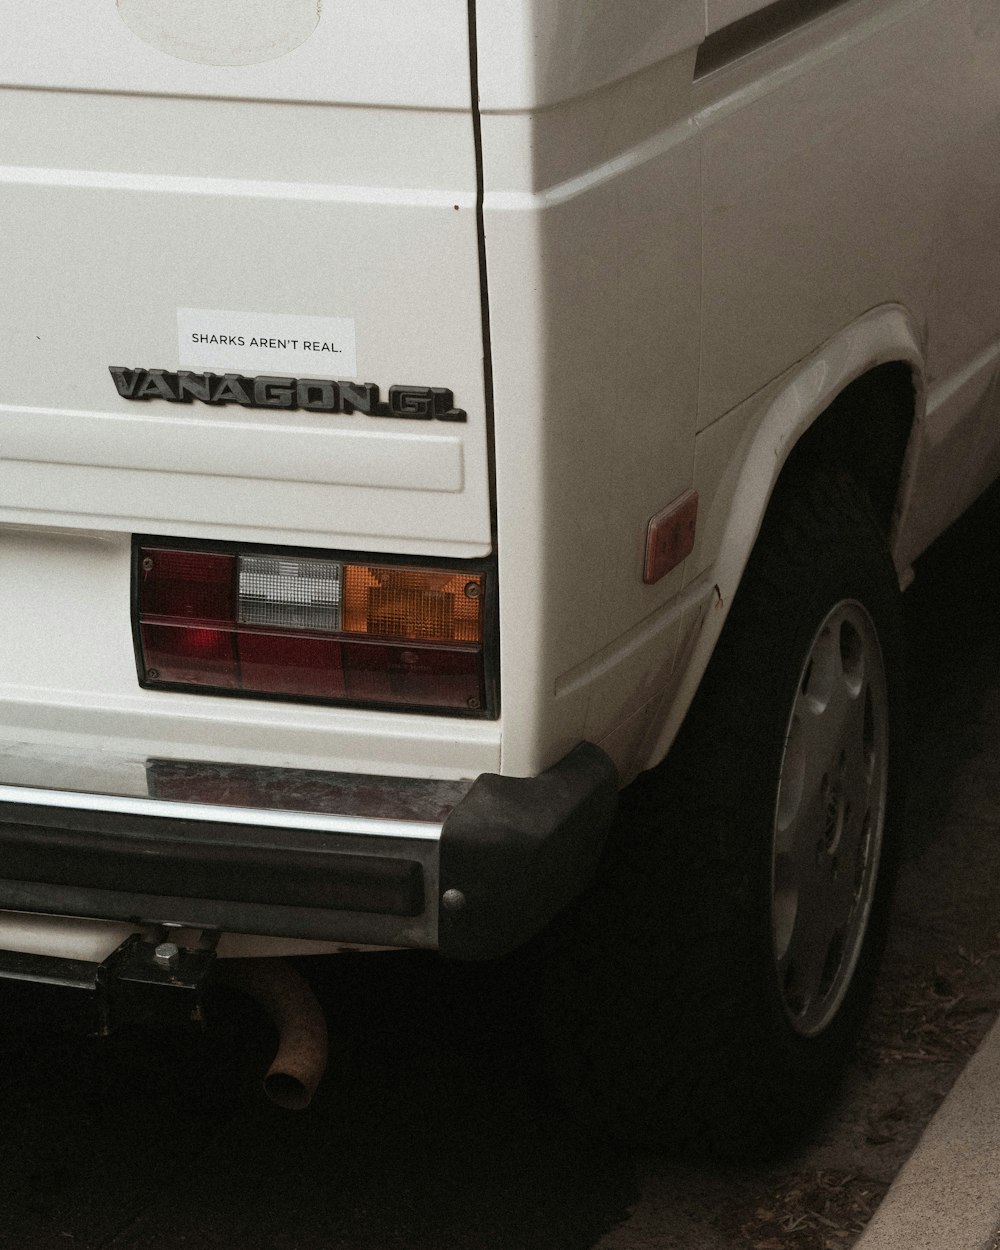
(190, 654)
(323, 629)
(413, 676)
(195, 585)
(291, 664)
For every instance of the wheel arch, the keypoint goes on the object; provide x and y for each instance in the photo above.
(858, 399)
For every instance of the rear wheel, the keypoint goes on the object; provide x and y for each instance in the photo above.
(710, 988)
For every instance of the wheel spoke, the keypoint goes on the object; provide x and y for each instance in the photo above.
(818, 937)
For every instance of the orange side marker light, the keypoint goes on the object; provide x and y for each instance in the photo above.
(670, 537)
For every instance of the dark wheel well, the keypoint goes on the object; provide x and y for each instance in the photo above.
(866, 431)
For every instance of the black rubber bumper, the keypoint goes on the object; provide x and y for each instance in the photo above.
(515, 851)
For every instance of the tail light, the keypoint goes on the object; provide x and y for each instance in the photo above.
(347, 631)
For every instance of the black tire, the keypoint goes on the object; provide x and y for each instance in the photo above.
(673, 1009)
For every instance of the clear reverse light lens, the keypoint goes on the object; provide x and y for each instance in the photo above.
(302, 594)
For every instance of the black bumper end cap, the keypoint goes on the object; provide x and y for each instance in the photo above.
(516, 851)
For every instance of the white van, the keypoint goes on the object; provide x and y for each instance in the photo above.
(415, 422)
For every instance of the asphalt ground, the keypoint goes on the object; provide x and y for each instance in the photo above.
(432, 1129)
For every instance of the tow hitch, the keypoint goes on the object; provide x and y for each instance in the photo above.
(143, 975)
(140, 973)
(152, 973)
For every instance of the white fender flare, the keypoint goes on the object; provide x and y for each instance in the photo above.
(788, 408)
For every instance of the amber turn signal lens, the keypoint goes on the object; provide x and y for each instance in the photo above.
(412, 604)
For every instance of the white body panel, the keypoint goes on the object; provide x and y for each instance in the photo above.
(536, 53)
(182, 237)
(366, 52)
(718, 232)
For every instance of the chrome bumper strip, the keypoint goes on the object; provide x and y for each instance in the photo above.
(259, 817)
(279, 798)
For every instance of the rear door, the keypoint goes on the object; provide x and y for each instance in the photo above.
(266, 189)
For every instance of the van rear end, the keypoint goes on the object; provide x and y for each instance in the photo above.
(419, 420)
(250, 614)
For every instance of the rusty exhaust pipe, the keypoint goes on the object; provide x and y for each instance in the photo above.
(284, 994)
